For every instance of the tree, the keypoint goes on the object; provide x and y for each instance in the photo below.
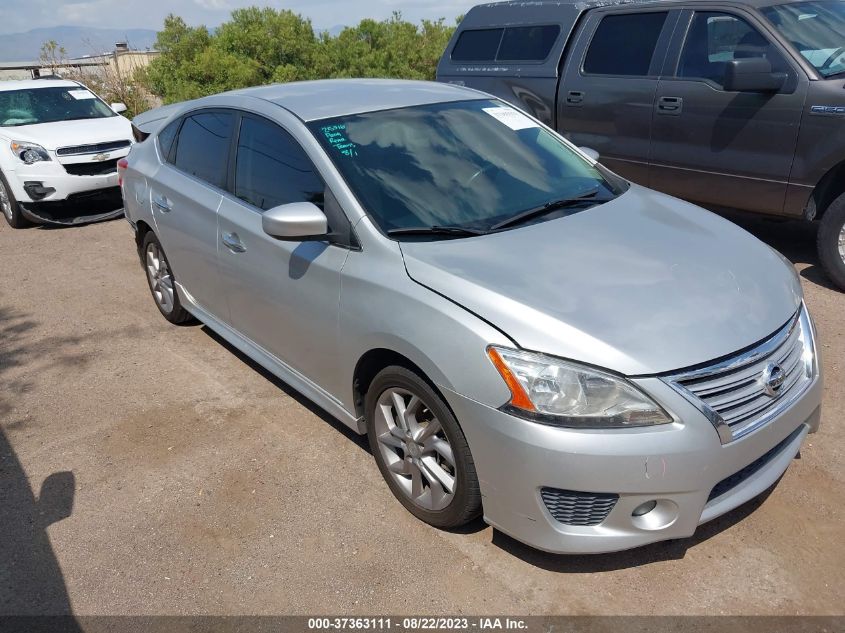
(264, 45)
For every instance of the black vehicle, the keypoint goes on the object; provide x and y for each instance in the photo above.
(731, 105)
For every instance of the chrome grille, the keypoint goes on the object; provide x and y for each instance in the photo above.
(94, 148)
(578, 508)
(741, 394)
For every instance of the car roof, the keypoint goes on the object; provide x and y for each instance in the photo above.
(329, 98)
(24, 84)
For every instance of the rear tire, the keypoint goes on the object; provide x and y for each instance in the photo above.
(10, 207)
(162, 282)
(421, 450)
(831, 241)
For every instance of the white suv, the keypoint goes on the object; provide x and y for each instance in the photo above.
(59, 147)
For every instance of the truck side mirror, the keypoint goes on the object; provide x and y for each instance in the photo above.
(752, 74)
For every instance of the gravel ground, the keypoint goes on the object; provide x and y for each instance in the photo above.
(202, 485)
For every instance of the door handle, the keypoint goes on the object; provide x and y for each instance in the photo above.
(574, 98)
(670, 105)
(162, 203)
(233, 243)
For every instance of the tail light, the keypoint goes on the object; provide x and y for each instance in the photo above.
(122, 164)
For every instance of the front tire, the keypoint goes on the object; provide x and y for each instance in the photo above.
(162, 281)
(831, 241)
(421, 450)
(9, 206)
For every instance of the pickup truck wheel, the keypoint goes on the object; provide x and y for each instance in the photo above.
(9, 206)
(162, 282)
(421, 450)
(831, 241)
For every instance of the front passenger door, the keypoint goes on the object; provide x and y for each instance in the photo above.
(721, 148)
(283, 295)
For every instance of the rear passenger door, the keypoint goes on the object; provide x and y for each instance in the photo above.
(609, 84)
(717, 147)
(185, 195)
(283, 294)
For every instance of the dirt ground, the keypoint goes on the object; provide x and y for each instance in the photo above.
(200, 484)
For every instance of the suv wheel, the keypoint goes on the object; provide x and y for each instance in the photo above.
(162, 282)
(831, 241)
(421, 450)
(9, 206)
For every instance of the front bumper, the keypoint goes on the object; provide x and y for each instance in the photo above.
(678, 465)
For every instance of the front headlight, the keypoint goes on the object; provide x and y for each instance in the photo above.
(554, 391)
(29, 152)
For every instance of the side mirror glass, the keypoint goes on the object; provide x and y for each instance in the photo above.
(296, 221)
(589, 151)
(753, 74)
(118, 107)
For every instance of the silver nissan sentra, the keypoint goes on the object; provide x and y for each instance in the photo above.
(521, 333)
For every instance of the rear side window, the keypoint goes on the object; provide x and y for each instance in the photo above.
(624, 44)
(516, 43)
(202, 148)
(166, 138)
(477, 45)
(528, 43)
(272, 169)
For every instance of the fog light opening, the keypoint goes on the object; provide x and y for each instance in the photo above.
(644, 508)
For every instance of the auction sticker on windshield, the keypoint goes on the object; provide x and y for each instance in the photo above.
(514, 119)
(81, 94)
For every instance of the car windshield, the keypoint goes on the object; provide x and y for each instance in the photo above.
(816, 29)
(50, 104)
(468, 164)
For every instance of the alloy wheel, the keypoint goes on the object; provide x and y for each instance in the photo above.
(160, 278)
(415, 449)
(842, 243)
(6, 204)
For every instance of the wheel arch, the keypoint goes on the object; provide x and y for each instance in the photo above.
(830, 187)
(375, 360)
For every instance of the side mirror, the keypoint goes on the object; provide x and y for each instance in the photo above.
(55, 501)
(752, 74)
(296, 221)
(118, 107)
(589, 151)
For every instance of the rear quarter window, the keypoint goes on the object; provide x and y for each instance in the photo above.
(624, 44)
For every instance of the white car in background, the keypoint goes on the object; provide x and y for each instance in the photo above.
(59, 147)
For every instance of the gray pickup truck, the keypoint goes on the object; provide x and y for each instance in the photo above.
(728, 104)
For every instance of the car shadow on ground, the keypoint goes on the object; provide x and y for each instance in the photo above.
(31, 580)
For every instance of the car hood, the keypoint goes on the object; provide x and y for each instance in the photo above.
(80, 132)
(643, 284)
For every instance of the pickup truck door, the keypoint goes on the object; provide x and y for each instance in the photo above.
(721, 148)
(606, 96)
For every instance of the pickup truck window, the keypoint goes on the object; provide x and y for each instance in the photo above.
(816, 29)
(624, 44)
(515, 43)
(716, 38)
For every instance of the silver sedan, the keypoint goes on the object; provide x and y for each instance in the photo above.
(521, 333)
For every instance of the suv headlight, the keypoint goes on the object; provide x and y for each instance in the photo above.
(29, 152)
(553, 391)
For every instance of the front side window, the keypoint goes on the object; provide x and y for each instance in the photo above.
(202, 147)
(272, 169)
(716, 38)
(470, 164)
(50, 104)
(816, 29)
(624, 45)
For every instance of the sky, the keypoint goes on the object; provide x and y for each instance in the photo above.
(22, 15)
